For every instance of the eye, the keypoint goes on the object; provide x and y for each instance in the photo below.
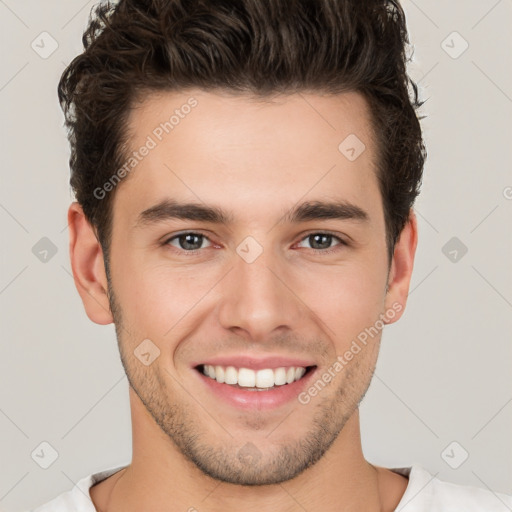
(322, 241)
(187, 241)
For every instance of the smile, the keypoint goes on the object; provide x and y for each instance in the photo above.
(254, 380)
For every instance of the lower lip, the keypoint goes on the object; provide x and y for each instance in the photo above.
(269, 399)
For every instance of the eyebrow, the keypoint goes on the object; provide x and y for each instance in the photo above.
(169, 209)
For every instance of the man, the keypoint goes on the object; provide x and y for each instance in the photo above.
(245, 175)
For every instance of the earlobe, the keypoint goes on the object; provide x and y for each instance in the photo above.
(88, 266)
(401, 268)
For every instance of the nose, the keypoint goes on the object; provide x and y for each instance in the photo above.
(257, 298)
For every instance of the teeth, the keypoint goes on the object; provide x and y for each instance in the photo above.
(219, 374)
(264, 378)
(280, 376)
(230, 375)
(247, 378)
(299, 372)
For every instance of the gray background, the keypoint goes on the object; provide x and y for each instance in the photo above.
(444, 370)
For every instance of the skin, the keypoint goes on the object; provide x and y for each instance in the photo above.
(256, 160)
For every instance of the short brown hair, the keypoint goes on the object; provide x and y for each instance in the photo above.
(259, 47)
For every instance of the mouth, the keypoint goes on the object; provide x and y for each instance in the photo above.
(255, 389)
(264, 379)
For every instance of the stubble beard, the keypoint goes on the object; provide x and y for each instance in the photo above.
(246, 464)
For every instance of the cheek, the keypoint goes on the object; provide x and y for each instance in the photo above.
(347, 299)
(158, 299)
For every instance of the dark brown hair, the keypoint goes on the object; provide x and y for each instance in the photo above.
(258, 47)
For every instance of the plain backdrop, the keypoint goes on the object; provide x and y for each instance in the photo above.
(442, 391)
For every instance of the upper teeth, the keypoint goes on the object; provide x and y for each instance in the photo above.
(246, 377)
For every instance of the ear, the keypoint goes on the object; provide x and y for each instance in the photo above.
(88, 267)
(401, 268)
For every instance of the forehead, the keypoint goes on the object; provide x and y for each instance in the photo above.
(256, 155)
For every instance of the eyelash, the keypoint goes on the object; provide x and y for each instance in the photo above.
(194, 252)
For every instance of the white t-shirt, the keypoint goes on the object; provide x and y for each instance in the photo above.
(424, 493)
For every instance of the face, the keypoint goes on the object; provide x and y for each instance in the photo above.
(247, 246)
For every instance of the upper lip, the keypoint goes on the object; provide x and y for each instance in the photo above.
(255, 363)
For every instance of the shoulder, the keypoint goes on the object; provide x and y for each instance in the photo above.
(425, 492)
(78, 499)
(75, 499)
